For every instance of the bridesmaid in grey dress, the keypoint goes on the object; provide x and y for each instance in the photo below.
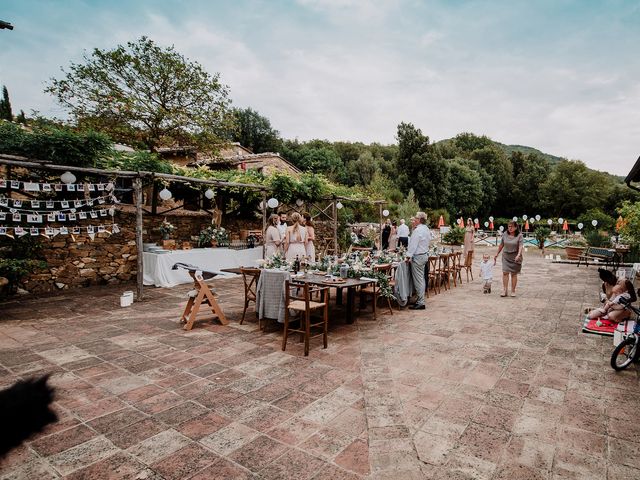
(511, 247)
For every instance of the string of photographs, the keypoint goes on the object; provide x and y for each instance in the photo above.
(73, 216)
(37, 205)
(50, 232)
(54, 187)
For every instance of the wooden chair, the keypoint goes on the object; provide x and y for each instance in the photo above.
(250, 277)
(468, 265)
(445, 271)
(432, 279)
(374, 290)
(304, 305)
(458, 267)
(201, 295)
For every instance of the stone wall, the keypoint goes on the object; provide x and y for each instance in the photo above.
(79, 261)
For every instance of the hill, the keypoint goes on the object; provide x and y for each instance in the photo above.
(552, 159)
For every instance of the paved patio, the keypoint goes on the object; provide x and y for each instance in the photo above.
(476, 386)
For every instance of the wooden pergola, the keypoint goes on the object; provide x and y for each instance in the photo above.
(329, 205)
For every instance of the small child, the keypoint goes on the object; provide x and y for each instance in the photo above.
(486, 273)
(613, 310)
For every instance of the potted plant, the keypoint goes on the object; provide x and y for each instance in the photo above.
(541, 233)
(575, 247)
(215, 237)
(455, 236)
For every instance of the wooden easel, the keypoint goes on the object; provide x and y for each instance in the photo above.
(202, 295)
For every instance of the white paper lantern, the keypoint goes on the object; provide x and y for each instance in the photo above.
(538, 217)
(299, 202)
(486, 224)
(209, 194)
(561, 220)
(549, 222)
(524, 217)
(385, 213)
(273, 203)
(165, 194)
(594, 222)
(491, 219)
(339, 205)
(580, 225)
(68, 177)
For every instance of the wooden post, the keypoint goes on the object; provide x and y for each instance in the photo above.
(334, 211)
(264, 222)
(137, 188)
(381, 223)
(154, 198)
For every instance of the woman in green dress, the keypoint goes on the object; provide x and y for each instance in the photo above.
(511, 246)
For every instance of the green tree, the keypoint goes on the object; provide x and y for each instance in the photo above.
(468, 142)
(465, 189)
(409, 206)
(630, 230)
(421, 167)
(530, 172)
(141, 93)
(323, 160)
(254, 131)
(5, 105)
(605, 222)
(21, 118)
(495, 163)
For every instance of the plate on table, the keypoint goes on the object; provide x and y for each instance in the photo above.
(334, 281)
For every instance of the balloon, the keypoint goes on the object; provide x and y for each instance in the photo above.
(486, 224)
(538, 218)
(580, 225)
(594, 222)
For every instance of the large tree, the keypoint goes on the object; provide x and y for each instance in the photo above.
(254, 131)
(421, 167)
(141, 93)
(5, 105)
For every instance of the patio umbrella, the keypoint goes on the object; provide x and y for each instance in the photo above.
(461, 222)
(526, 225)
(619, 223)
(565, 226)
(441, 221)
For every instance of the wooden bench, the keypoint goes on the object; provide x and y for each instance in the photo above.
(609, 256)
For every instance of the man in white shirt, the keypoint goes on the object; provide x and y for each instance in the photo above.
(282, 226)
(403, 234)
(418, 255)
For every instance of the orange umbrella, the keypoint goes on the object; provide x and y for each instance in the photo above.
(526, 225)
(461, 222)
(619, 223)
(565, 226)
(491, 225)
(441, 221)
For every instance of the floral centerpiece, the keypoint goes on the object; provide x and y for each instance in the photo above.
(276, 261)
(215, 236)
(166, 228)
(358, 267)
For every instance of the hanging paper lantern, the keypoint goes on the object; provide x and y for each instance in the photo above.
(165, 194)
(209, 194)
(339, 205)
(299, 202)
(273, 203)
(68, 177)
(385, 213)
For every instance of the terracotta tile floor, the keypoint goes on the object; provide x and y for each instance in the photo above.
(476, 386)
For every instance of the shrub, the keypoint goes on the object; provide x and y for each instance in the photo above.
(455, 236)
(596, 238)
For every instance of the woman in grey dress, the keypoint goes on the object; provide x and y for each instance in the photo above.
(512, 243)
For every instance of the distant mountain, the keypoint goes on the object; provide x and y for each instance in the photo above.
(552, 159)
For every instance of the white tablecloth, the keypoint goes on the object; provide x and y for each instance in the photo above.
(157, 267)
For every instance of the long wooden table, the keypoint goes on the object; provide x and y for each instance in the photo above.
(351, 284)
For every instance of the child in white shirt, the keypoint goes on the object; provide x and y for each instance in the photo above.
(486, 273)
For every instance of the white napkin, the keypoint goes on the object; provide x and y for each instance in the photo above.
(369, 279)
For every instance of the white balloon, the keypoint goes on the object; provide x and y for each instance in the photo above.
(550, 222)
(533, 220)
(580, 225)
(491, 219)
(385, 213)
(165, 194)
(486, 224)
(273, 203)
(475, 220)
(515, 219)
(524, 217)
(538, 218)
(209, 194)
(594, 222)
(561, 220)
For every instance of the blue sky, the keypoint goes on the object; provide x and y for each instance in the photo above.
(559, 75)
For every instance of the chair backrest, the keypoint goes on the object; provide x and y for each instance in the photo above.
(433, 265)
(458, 260)
(444, 261)
(469, 259)
(250, 278)
(307, 292)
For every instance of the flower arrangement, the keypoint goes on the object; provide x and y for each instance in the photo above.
(212, 234)
(276, 261)
(358, 268)
(166, 228)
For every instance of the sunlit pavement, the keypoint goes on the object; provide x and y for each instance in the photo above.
(475, 386)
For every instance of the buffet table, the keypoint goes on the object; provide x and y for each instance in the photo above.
(157, 267)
